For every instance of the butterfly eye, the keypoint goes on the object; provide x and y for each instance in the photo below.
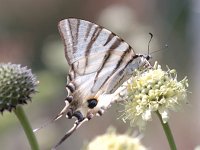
(92, 103)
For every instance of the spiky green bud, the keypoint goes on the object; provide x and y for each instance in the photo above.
(16, 86)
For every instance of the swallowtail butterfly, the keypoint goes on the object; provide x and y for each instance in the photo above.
(99, 63)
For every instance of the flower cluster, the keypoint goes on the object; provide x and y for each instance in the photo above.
(16, 86)
(154, 90)
(113, 141)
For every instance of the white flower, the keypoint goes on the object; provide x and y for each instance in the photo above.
(151, 91)
(113, 141)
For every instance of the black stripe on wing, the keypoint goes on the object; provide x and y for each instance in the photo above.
(72, 35)
(76, 36)
(89, 27)
(127, 52)
(122, 71)
(75, 23)
(94, 36)
(107, 56)
(112, 48)
(110, 37)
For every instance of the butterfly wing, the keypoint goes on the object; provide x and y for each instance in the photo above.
(94, 54)
(99, 63)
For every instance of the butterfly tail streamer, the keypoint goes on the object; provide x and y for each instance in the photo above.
(77, 124)
(54, 119)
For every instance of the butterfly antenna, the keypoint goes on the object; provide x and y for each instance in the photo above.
(55, 118)
(77, 124)
(151, 36)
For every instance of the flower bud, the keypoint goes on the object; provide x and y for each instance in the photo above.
(16, 86)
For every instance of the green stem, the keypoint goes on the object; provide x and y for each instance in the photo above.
(168, 133)
(19, 112)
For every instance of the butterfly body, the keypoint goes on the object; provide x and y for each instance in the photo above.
(99, 63)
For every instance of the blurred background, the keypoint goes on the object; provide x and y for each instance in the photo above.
(29, 36)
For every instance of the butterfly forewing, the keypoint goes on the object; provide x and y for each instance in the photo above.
(94, 53)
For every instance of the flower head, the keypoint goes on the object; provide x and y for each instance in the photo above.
(154, 90)
(113, 141)
(16, 86)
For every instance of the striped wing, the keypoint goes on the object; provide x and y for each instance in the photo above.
(95, 55)
(99, 62)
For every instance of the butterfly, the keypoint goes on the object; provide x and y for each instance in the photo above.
(99, 63)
